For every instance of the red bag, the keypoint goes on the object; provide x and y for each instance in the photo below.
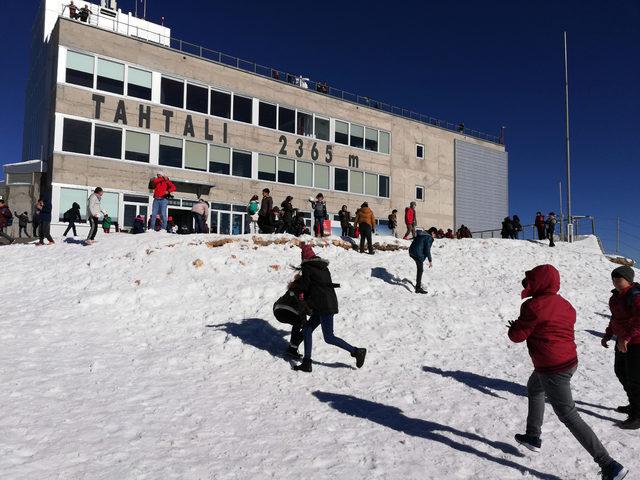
(326, 225)
(356, 232)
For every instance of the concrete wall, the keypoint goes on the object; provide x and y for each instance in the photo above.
(435, 172)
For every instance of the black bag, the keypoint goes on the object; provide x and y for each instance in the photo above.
(151, 185)
(289, 309)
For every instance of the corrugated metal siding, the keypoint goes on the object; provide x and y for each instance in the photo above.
(481, 186)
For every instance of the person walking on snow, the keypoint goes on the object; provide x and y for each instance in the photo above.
(410, 220)
(547, 323)
(517, 227)
(44, 214)
(318, 291)
(162, 188)
(393, 223)
(540, 226)
(507, 228)
(94, 209)
(625, 325)
(366, 222)
(420, 250)
(23, 221)
(550, 225)
(72, 216)
(319, 207)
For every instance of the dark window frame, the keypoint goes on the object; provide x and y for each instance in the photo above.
(242, 101)
(291, 121)
(220, 104)
(68, 143)
(100, 134)
(265, 117)
(193, 99)
(170, 98)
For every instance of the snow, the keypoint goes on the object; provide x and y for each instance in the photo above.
(127, 360)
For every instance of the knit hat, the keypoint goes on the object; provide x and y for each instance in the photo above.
(307, 252)
(623, 272)
(160, 173)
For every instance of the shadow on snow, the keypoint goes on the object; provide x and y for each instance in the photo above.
(386, 276)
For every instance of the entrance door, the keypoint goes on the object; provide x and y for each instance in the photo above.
(183, 220)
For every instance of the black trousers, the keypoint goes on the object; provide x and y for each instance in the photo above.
(71, 226)
(542, 232)
(93, 223)
(420, 270)
(345, 231)
(296, 335)
(199, 221)
(35, 228)
(318, 227)
(20, 229)
(627, 368)
(45, 232)
(365, 235)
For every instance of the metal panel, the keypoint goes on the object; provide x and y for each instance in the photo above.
(481, 186)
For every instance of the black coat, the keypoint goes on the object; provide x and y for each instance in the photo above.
(345, 218)
(319, 290)
(287, 212)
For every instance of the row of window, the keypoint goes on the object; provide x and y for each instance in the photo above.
(87, 138)
(122, 79)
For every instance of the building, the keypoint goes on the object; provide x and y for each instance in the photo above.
(113, 100)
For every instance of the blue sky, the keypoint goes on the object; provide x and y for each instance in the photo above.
(485, 63)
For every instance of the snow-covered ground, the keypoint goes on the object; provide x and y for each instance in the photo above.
(124, 360)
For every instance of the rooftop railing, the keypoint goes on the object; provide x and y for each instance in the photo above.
(108, 20)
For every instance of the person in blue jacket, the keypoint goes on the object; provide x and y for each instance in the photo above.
(420, 250)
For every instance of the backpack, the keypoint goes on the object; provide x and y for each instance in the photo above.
(289, 309)
(631, 295)
(252, 208)
(151, 185)
(68, 215)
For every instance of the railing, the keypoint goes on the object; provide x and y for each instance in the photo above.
(100, 20)
(561, 229)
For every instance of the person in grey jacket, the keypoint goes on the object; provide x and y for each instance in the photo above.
(94, 209)
(319, 207)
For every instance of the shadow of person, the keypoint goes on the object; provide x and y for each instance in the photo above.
(393, 418)
(595, 333)
(260, 334)
(74, 241)
(386, 276)
(489, 386)
(603, 315)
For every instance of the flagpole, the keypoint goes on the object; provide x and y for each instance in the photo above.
(566, 107)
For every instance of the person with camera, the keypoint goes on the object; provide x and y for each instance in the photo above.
(162, 188)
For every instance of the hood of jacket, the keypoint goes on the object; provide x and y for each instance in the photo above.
(542, 280)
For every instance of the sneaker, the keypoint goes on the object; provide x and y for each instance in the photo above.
(529, 441)
(614, 471)
(293, 353)
(305, 366)
(420, 290)
(359, 355)
(624, 409)
(631, 423)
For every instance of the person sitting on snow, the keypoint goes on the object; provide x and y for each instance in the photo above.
(547, 323)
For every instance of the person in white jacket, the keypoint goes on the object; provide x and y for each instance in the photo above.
(200, 213)
(94, 209)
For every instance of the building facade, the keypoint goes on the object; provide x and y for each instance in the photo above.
(122, 104)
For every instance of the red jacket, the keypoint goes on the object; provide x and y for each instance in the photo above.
(162, 186)
(409, 216)
(625, 315)
(539, 220)
(546, 322)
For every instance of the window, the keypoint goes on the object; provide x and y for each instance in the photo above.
(69, 196)
(322, 129)
(419, 193)
(139, 84)
(371, 139)
(357, 136)
(136, 147)
(304, 174)
(267, 115)
(286, 170)
(266, 167)
(109, 203)
(341, 180)
(107, 142)
(357, 182)
(384, 142)
(242, 109)
(370, 184)
(197, 98)
(220, 104)
(195, 156)
(219, 160)
(79, 69)
(305, 124)
(286, 120)
(241, 164)
(110, 76)
(172, 92)
(19, 178)
(342, 132)
(321, 176)
(170, 154)
(76, 136)
(419, 150)
(383, 186)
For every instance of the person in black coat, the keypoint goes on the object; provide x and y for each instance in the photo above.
(72, 216)
(265, 214)
(507, 228)
(517, 227)
(287, 214)
(318, 291)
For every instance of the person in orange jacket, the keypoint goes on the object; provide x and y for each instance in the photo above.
(366, 222)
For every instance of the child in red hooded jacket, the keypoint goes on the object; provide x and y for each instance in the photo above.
(547, 322)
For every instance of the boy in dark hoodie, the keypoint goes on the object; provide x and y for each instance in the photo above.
(72, 216)
(547, 322)
(420, 250)
(23, 221)
(318, 292)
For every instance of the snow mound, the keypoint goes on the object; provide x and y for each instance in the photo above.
(156, 356)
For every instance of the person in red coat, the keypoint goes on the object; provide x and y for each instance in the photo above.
(162, 188)
(410, 221)
(541, 226)
(625, 325)
(547, 322)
